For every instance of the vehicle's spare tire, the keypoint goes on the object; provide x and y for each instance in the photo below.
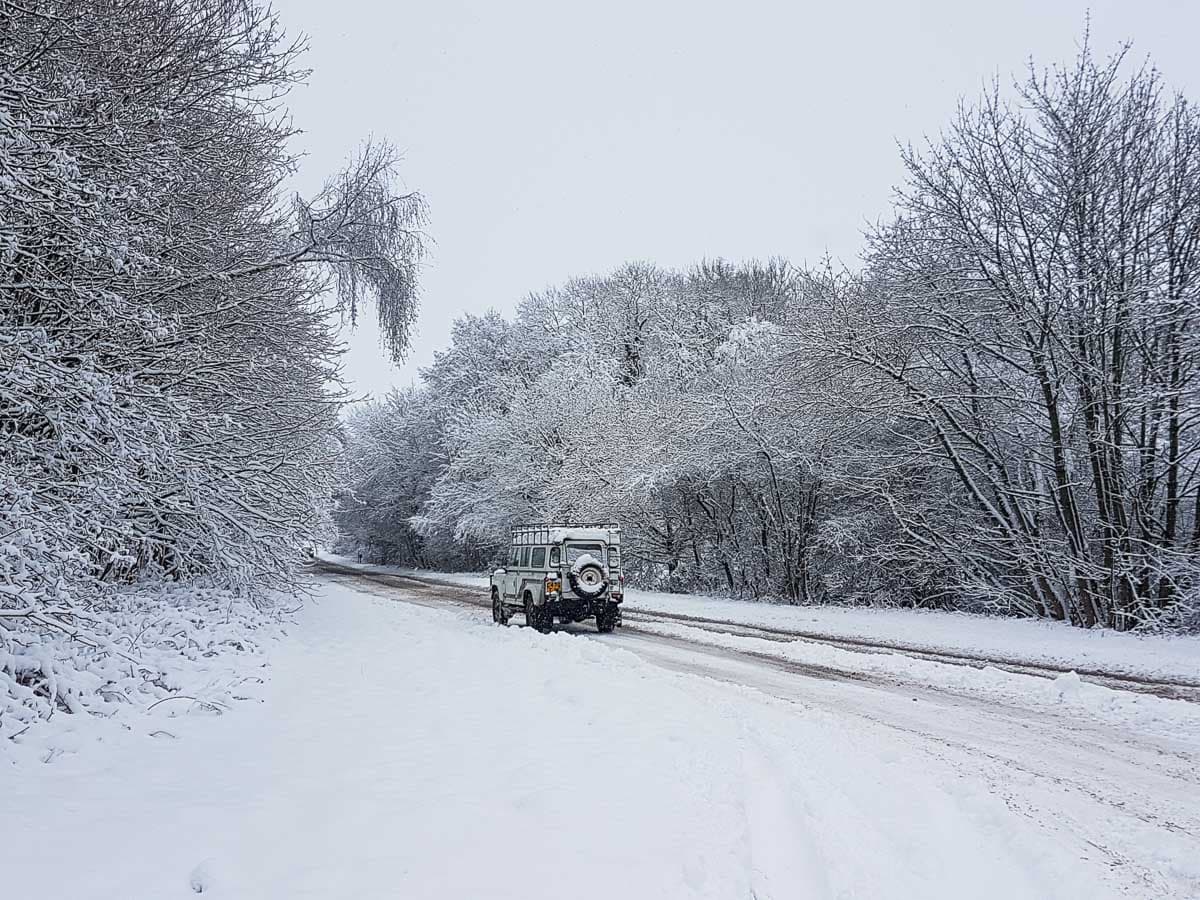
(588, 578)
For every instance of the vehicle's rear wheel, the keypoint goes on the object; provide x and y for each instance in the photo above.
(606, 619)
(538, 617)
(499, 613)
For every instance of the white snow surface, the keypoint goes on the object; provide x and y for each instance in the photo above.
(1029, 640)
(1067, 694)
(1023, 640)
(167, 646)
(398, 750)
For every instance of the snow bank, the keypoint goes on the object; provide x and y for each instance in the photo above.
(149, 654)
(1026, 640)
(1176, 719)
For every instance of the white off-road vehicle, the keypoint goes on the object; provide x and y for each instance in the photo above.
(564, 572)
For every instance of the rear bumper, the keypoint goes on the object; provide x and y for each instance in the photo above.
(574, 608)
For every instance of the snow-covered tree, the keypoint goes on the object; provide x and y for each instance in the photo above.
(998, 411)
(1034, 303)
(166, 360)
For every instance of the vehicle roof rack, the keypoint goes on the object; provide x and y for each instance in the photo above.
(537, 533)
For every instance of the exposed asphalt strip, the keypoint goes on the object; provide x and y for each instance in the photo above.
(438, 592)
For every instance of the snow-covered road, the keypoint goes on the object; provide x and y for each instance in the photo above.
(407, 747)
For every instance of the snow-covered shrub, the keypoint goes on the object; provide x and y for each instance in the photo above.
(132, 651)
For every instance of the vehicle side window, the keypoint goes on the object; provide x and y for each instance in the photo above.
(524, 557)
(516, 557)
(537, 559)
(614, 558)
(554, 556)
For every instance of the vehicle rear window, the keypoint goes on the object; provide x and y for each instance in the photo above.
(574, 551)
(614, 558)
(554, 556)
(524, 557)
(537, 559)
(516, 557)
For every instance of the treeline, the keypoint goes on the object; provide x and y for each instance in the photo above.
(168, 400)
(997, 411)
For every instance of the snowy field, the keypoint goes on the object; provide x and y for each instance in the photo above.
(399, 750)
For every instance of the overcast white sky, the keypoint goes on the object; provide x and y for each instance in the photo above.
(554, 139)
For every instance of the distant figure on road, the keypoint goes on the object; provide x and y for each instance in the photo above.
(360, 556)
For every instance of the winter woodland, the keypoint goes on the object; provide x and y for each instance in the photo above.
(995, 411)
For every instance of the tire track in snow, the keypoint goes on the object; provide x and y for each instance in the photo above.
(1171, 689)
(1121, 792)
(705, 659)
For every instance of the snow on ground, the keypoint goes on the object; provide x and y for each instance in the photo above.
(1168, 718)
(155, 648)
(1025, 640)
(1029, 640)
(1171, 719)
(403, 751)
